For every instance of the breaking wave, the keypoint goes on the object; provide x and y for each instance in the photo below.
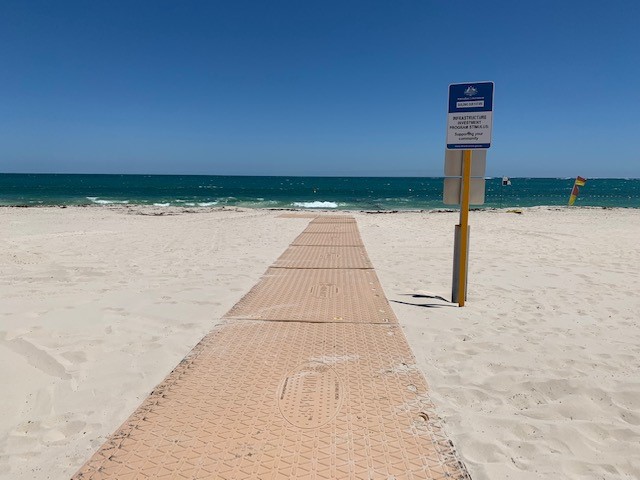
(99, 201)
(315, 204)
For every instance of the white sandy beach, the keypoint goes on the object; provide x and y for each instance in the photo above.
(536, 378)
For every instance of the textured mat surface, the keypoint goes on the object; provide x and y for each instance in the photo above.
(334, 219)
(323, 257)
(325, 227)
(319, 295)
(346, 239)
(267, 400)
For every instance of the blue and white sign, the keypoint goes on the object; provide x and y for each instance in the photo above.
(470, 115)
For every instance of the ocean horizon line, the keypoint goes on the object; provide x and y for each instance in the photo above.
(562, 177)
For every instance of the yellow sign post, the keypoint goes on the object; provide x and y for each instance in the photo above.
(464, 228)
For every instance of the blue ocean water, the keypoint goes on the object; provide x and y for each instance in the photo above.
(342, 193)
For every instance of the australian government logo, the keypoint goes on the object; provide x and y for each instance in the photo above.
(471, 101)
(471, 91)
(468, 101)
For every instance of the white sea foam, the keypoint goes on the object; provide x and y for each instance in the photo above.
(99, 201)
(190, 204)
(315, 204)
(207, 204)
(161, 204)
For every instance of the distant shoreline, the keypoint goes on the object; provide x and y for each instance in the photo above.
(176, 210)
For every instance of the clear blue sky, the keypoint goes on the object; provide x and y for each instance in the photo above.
(315, 87)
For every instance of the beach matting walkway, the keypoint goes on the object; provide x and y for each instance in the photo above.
(309, 377)
(309, 256)
(316, 295)
(337, 239)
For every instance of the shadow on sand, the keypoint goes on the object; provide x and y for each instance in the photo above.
(425, 305)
